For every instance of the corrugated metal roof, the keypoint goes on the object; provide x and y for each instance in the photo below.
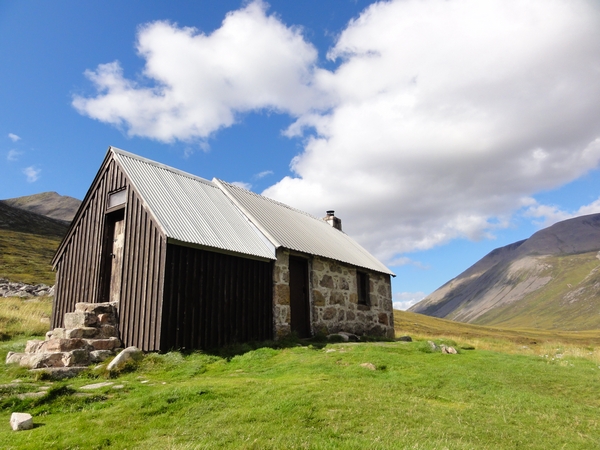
(191, 209)
(297, 230)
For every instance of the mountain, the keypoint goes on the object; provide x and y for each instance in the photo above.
(49, 204)
(551, 281)
(27, 244)
(23, 221)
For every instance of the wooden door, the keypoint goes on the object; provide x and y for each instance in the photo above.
(116, 269)
(299, 306)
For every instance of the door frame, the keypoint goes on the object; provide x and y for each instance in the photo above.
(300, 311)
(106, 272)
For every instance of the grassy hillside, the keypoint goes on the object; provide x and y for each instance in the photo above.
(569, 301)
(27, 244)
(349, 396)
(26, 257)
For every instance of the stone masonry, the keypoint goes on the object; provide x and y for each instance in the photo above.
(90, 335)
(333, 299)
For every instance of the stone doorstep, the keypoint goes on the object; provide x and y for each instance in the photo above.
(33, 346)
(103, 344)
(63, 345)
(80, 319)
(96, 308)
(42, 360)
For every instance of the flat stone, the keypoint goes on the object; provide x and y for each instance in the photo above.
(59, 373)
(89, 387)
(21, 421)
(30, 395)
(404, 339)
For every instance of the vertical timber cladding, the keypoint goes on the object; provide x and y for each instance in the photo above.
(79, 266)
(81, 269)
(213, 299)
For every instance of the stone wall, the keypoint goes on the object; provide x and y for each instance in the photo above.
(334, 299)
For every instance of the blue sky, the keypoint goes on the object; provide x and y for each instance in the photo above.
(437, 130)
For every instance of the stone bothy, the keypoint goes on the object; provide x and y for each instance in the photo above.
(194, 263)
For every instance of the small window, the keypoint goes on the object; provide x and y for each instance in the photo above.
(362, 284)
(117, 198)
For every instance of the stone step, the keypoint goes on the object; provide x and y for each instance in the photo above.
(59, 373)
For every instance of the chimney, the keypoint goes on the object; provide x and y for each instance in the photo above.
(332, 220)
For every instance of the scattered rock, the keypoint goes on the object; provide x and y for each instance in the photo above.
(404, 339)
(434, 347)
(22, 290)
(448, 350)
(21, 421)
(369, 366)
(129, 354)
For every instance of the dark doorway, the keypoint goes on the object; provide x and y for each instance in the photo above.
(299, 307)
(114, 242)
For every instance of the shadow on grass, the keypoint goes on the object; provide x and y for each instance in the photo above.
(316, 342)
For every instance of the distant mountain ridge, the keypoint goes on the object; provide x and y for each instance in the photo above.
(551, 280)
(49, 204)
(28, 239)
(23, 221)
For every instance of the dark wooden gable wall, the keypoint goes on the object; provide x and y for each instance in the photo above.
(81, 260)
(214, 299)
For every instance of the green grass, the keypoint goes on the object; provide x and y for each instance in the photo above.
(24, 317)
(26, 257)
(319, 396)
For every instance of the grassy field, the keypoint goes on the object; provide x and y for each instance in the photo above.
(316, 395)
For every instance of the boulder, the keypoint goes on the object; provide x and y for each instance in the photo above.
(404, 339)
(129, 354)
(21, 421)
(76, 357)
(97, 356)
(14, 358)
(42, 360)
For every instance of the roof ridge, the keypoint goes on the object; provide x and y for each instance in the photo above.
(270, 199)
(127, 154)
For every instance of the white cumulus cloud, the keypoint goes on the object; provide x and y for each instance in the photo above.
(441, 119)
(32, 174)
(200, 81)
(13, 137)
(404, 300)
(547, 215)
(448, 114)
